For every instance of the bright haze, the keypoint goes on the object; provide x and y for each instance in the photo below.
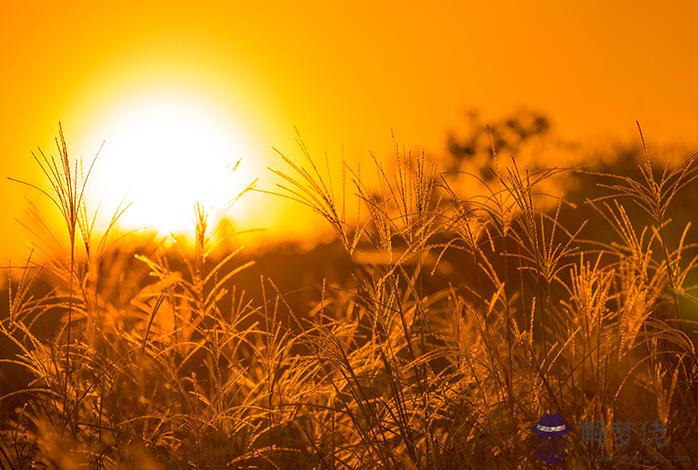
(180, 92)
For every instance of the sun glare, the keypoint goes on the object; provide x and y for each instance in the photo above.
(162, 154)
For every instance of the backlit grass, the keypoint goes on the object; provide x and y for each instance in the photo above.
(460, 323)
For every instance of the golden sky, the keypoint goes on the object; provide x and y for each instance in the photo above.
(343, 74)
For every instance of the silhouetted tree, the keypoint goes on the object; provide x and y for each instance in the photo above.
(506, 135)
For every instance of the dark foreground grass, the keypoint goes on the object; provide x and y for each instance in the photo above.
(418, 361)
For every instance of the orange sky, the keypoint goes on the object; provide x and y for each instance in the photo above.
(345, 75)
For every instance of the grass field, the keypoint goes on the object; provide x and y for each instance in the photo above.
(455, 325)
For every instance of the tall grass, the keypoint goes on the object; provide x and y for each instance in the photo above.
(474, 317)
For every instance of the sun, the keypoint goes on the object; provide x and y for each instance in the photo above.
(162, 154)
